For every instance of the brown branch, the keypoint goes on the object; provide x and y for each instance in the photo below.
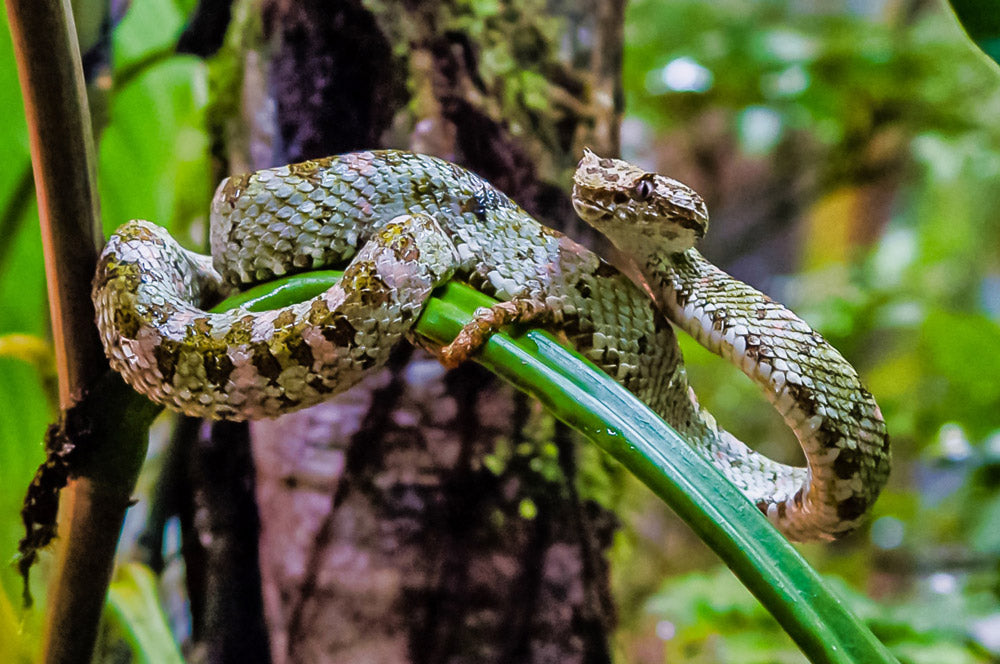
(100, 441)
(62, 151)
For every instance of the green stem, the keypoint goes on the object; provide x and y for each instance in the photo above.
(587, 399)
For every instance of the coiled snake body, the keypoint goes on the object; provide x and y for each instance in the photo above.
(406, 223)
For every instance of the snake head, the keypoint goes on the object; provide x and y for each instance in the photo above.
(639, 211)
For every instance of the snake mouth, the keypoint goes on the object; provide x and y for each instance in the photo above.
(590, 212)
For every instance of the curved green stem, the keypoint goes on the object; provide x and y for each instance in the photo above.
(587, 399)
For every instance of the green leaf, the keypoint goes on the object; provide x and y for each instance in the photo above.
(154, 154)
(16, 648)
(147, 28)
(134, 609)
(981, 20)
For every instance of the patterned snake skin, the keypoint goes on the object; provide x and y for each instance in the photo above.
(405, 223)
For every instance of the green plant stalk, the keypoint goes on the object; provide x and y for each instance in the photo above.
(587, 399)
(116, 419)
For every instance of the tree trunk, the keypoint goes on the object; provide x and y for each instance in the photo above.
(425, 515)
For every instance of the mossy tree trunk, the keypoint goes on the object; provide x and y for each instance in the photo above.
(425, 515)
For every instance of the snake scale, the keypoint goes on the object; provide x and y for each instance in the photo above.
(405, 223)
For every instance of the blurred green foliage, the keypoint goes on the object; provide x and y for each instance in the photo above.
(885, 96)
(708, 617)
(890, 102)
(138, 625)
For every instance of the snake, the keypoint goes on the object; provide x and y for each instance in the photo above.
(401, 224)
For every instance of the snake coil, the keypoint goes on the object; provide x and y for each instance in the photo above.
(405, 223)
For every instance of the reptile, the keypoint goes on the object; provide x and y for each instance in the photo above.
(405, 223)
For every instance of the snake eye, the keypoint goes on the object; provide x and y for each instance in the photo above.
(643, 190)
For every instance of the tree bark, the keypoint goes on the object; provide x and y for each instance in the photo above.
(425, 515)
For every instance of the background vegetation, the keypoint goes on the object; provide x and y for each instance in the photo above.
(849, 155)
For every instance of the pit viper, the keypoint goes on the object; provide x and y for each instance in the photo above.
(405, 223)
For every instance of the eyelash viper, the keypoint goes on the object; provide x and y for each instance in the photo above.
(406, 223)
